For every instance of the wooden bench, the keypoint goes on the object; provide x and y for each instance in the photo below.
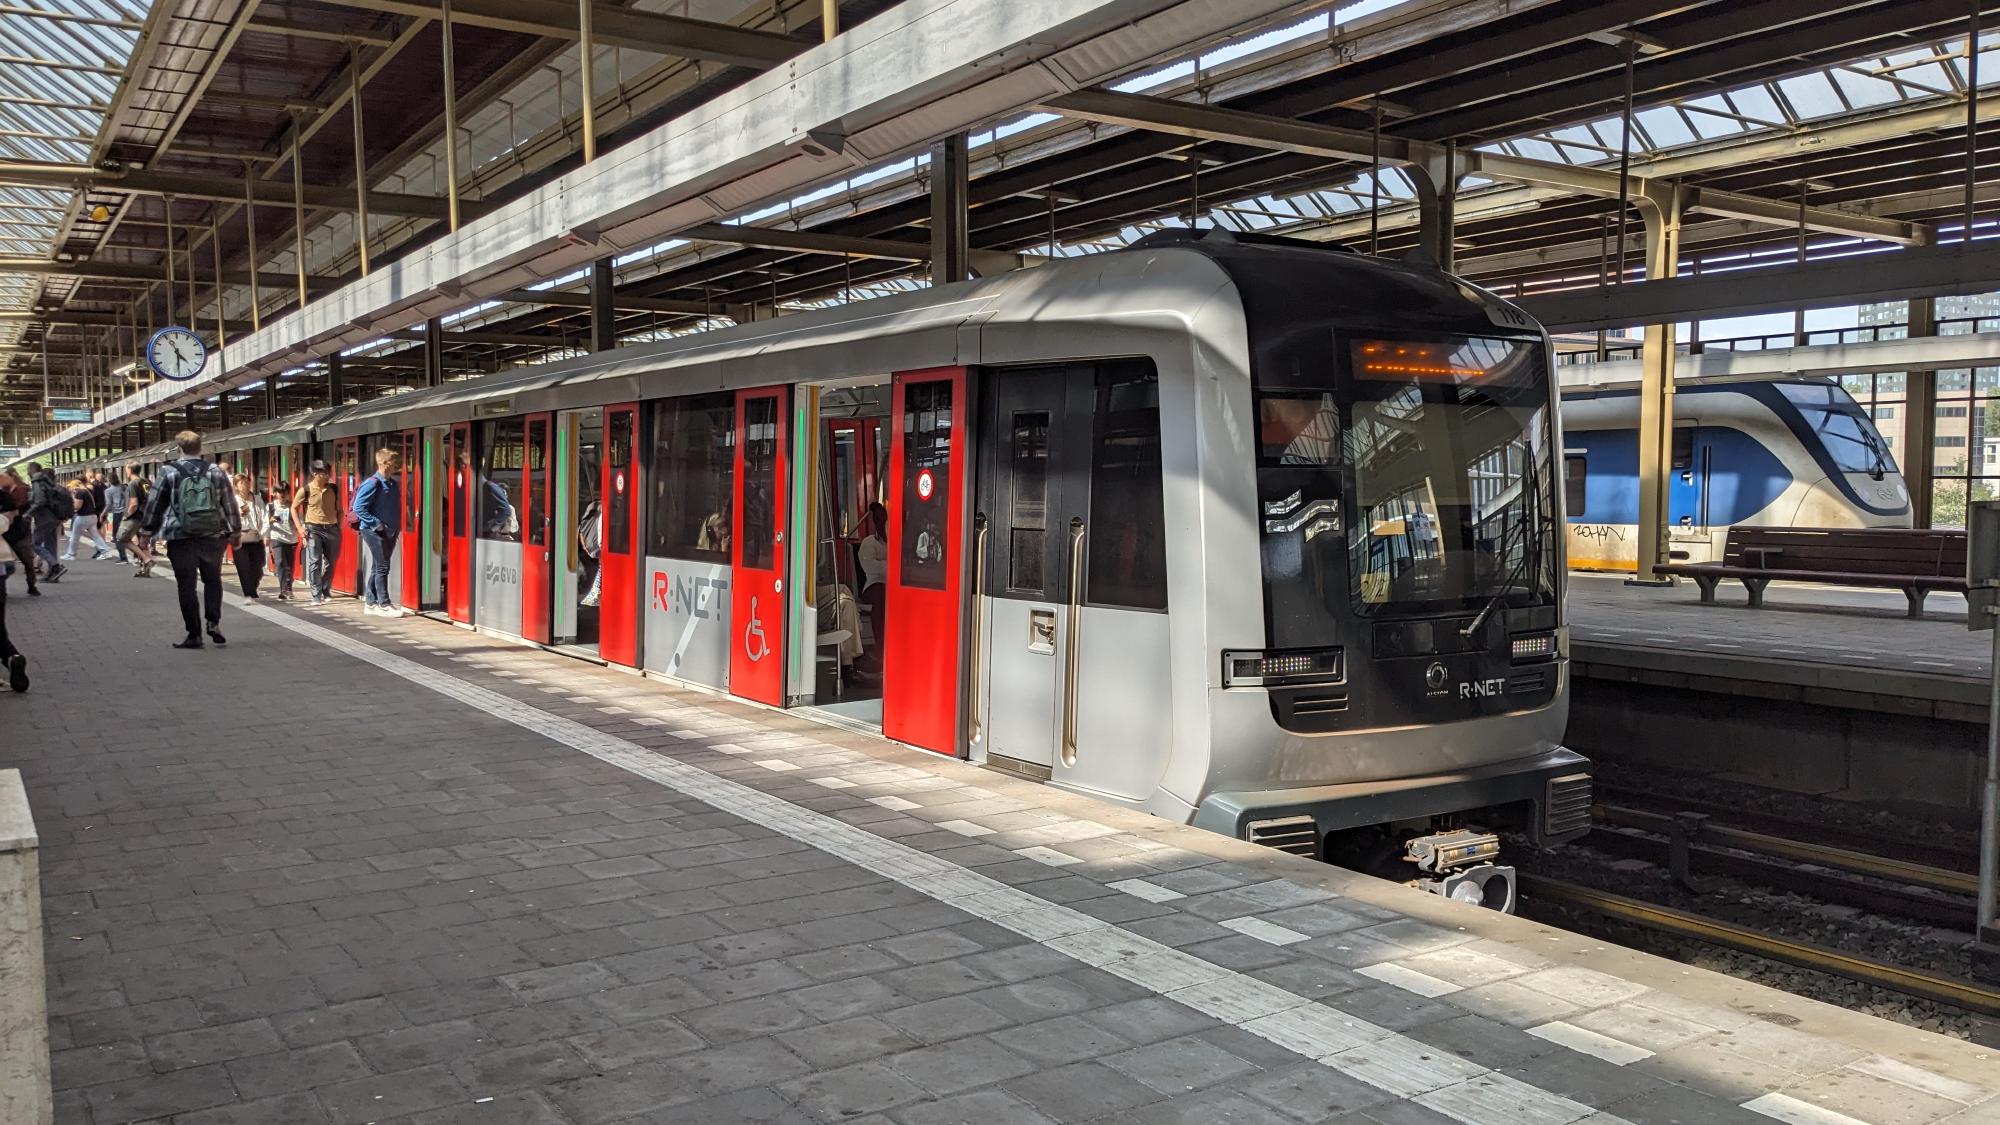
(1913, 561)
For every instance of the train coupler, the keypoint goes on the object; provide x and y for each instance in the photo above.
(1458, 865)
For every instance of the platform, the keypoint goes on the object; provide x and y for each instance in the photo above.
(352, 870)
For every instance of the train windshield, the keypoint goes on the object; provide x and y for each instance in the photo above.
(1848, 434)
(1431, 458)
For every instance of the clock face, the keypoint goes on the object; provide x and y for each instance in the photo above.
(176, 353)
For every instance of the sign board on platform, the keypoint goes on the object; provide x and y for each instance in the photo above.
(69, 414)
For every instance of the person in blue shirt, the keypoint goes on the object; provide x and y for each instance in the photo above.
(377, 512)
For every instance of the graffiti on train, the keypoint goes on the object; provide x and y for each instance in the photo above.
(1603, 532)
(691, 596)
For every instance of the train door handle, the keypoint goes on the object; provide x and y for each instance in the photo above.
(1042, 631)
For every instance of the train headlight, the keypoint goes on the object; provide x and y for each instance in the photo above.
(1242, 668)
(1533, 646)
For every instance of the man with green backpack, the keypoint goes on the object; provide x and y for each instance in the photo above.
(194, 508)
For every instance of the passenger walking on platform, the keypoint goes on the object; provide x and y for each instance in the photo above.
(49, 504)
(252, 519)
(281, 538)
(12, 511)
(378, 516)
(83, 523)
(113, 518)
(194, 510)
(17, 534)
(317, 510)
(132, 536)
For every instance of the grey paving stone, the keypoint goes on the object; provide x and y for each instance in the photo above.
(1307, 1091)
(960, 1065)
(619, 1047)
(421, 1046)
(936, 1021)
(539, 1064)
(845, 1041)
(159, 1095)
(1174, 1066)
(515, 1107)
(105, 1062)
(1080, 1091)
(290, 1109)
(220, 1043)
(304, 1069)
(849, 1091)
(1204, 1107)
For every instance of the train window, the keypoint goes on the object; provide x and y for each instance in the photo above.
(927, 415)
(1128, 549)
(694, 474)
(458, 483)
(1683, 448)
(532, 517)
(760, 481)
(500, 481)
(620, 431)
(1297, 428)
(1028, 515)
(1576, 470)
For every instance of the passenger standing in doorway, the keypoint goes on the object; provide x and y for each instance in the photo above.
(378, 516)
(281, 537)
(49, 504)
(194, 509)
(317, 510)
(873, 555)
(252, 518)
(17, 535)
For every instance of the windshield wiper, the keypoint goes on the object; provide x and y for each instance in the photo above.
(1530, 486)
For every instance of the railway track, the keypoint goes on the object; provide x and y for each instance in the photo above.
(1933, 895)
(1968, 995)
(1878, 842)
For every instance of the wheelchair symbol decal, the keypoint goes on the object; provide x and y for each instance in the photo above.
(754, 645)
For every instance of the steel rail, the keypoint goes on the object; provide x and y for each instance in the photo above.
(1880, 843)
(1799, 851)
(1911, 982)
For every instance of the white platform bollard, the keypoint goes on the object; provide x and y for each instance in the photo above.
(25, 1098)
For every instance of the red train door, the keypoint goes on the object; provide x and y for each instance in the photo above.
(458, 576)
(921, 639)
(347, 477)
(618, 558)
(410, 548)
(757, 589)
(537, 548)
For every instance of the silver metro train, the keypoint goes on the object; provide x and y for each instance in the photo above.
(1248, 533)
(1783, 453)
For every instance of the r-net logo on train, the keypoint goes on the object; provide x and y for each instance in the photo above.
(690, 596)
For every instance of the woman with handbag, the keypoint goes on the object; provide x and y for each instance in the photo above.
(251, 508)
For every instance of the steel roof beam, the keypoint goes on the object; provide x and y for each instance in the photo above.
(620, 302)
(121, 271)
(508, 339)
(1214, 123)
(610, 26)
(1931, 271)
(270, 193)
(825, 242)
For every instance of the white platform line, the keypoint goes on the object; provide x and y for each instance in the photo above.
(1409, 980)
(1793, 1111)
(1151, 892)
(1589, 1042)
(1264, 931)
(1365, 1051)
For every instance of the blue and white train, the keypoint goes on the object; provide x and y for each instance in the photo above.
(1787, 453)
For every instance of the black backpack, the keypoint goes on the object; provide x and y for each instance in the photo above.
(61, 504)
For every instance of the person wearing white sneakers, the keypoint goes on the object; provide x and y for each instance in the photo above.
(377, 513)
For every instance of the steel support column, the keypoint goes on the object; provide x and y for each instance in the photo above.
(1660, 209)
(603, 313)
(433, 352)
(336, 381)
(222, 423)
(951, 221)
(1920, 419)
(270, 396)
(1436, 178)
